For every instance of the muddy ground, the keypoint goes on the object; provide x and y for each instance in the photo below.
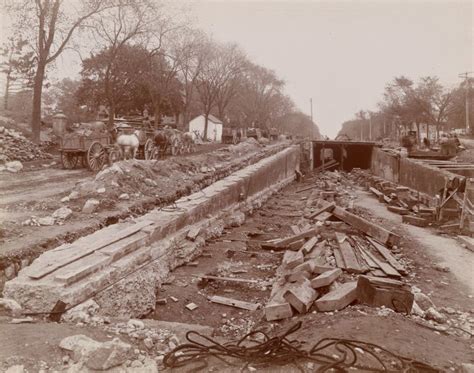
(438, 270)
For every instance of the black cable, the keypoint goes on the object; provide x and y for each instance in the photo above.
(280, 351)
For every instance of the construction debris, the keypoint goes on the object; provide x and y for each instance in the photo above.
(16, 147)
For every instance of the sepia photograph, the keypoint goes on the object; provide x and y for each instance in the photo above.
(236, 186)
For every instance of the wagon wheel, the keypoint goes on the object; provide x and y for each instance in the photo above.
(69, 160)
(114, 155)
(156, 153)
(149, 149)
(96, 156)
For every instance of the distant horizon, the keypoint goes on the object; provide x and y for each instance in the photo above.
(341, 54)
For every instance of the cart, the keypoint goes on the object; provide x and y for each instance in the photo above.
(93, 150)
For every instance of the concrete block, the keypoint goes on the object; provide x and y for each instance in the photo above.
(125, 246)
(82, 268)
(339, 298)
(291, 259)
(308, 246)
(298, 276)
(307, 266)
(326, 278)
(278, 311)
(301, 297)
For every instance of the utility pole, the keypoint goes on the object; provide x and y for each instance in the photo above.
(467, 82)
(312, 123)
(370, 126)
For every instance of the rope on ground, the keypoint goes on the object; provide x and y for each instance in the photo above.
(329, 353)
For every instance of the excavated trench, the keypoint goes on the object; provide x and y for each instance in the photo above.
(29, 243)
(111, 264)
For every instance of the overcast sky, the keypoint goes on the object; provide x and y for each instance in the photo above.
(340, 53)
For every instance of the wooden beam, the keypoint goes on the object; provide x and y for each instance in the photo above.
(371, 229)
(234, 303)
(388, 256)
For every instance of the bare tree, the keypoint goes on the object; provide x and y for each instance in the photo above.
(220, 68)
(189, 49)
(51, 23)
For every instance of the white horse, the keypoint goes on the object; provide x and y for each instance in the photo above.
(128, 144)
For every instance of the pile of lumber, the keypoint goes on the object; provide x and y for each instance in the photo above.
(401, 200)
(320, 261)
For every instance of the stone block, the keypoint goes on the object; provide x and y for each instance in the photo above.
(278, 311)
(291, 259)
(301, 297)
(339, 298)
(326, 278)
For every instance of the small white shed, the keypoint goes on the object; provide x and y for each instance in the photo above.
(214, 128)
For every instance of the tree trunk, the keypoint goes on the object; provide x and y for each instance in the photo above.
(111, 119)
(157, 113)
(437, 132)
(418, 134)
(7, 92)
(427, 131)
(206, 122)
(37, 93)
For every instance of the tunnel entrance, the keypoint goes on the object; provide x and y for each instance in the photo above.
(342, 155)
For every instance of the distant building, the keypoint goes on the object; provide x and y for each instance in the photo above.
(214, 128)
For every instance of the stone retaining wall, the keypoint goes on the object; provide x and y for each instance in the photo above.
(122, 265)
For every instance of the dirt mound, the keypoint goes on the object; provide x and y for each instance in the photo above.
(137, 178)
(16, 147)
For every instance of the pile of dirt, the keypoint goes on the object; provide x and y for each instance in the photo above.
(16, 147)
(135, 178)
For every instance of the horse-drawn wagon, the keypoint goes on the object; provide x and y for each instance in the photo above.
(93, 149)
(156, 143)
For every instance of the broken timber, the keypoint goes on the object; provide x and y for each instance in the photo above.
(350, 259)
(234, 303)
(388, 256)
(375, 231)
(230, 279)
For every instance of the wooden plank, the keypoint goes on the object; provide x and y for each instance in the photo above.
(368, 259)
(80, 248)
(230, 279)
(386, 268)
(375, 231)
(288, 240)
(350, 259)
(388, 256)
(377, 193)
(323, 216)
(234, 303)
(326, 207)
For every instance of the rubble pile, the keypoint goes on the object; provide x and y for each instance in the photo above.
(16, 147)
(337, 257)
